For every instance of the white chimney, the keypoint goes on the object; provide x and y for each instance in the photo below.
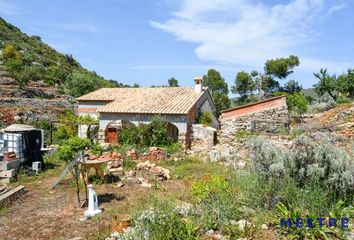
(198, 84)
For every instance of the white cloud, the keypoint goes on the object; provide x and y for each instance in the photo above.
(336, 8)
(247, 32)
(314, 65)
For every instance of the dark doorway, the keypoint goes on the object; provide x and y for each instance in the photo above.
(172, 131)
(112, 136)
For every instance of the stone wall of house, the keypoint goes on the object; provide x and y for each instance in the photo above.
(267, 120)
(203, 137)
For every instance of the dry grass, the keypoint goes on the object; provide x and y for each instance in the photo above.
(43, 213)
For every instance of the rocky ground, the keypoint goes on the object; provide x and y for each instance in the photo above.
(335, 125)
(36, 101)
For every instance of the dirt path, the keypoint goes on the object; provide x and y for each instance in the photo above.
(53, 214)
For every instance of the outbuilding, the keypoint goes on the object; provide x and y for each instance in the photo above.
(26, 141)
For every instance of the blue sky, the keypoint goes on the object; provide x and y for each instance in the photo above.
(149, 41)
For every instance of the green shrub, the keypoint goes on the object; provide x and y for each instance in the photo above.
(42, 124)
(174, 148)
(210, 185)
(343, 99)
(205, 118)
(307, 163)
(161, 221)
(283, 130)
(97, 149)
(297, 103)
(266, 158)
(323, 163)
(153, 134)
(10, 52)
(81, 82)
(77, 143)
(70, 147)
(283, 198)
(242, 134)
(294, 211)
(67, 126)
(294, 133)
(219, 202)
(62, 132)
(130, 135)
(312, 198)
(159, 132)
(66, 152)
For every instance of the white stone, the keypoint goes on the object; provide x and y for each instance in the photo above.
(233, 222)
(17, 118)
(264, 227)
(214, 155)
(242, 224)
(93, 209)
(241, 165)
(115, 234)
(146, 185)
(83, 219)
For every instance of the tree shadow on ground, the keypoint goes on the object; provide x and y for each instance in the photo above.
(108, 197)
(48, 166)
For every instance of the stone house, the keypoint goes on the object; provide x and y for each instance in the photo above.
(116, 108)
(269, 115)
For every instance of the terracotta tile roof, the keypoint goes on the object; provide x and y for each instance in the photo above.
(160, 100)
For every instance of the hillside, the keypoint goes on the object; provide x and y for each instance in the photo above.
(36, 81)
(27, 58)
